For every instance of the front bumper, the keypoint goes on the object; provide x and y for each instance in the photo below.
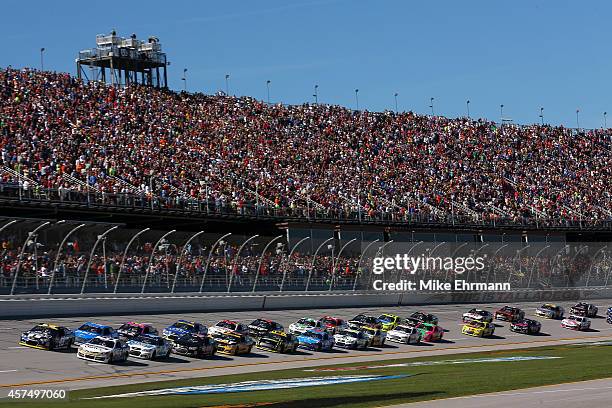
(34, 344)
(97, 357)
(144, 354)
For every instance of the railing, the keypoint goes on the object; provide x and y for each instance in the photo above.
(136, 199)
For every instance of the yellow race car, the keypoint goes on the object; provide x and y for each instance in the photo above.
(376, 337)
(389, 321)
(278, 342)
(478, 329)
(233, 343)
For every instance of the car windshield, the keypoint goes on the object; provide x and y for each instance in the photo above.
(102, 342)
(385, 319)
(91, 329)
(329, 321)
(547, 307)
(227, 325)
(147, 340)
(276, 336)
(307, 322)
(313, 335)
(43, 329)
(404, 329)
(349, 333)
(476, 324)
(261, 323)
(183, 326)
(507, 309)
(131, 328)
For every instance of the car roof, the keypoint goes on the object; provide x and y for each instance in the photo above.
(101, 326)
(137, 324)
(51, 326)
(185, 321)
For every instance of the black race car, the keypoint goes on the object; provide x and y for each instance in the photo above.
(194, 345)
(584, 309)
(259, 327)
(526, 326)
(279, 342)
(363, 320)
(47, 337)
(609, 315)
(425, 317)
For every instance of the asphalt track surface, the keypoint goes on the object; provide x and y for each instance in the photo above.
(26, 367)
(584, 394)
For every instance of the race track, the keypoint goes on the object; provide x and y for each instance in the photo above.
(26, 367)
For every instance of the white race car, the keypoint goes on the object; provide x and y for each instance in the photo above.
(404, 334)
(478, 315)
(225, 326)
(149, 347)
(104, 350)
(351, 339)
(305, 324)
(579, 323)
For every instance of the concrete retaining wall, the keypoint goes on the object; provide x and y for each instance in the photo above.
(36, 306)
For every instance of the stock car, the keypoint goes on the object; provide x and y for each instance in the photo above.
(526, 326)
(278, 342)
(317, 340)
(376, 337)
(333, 324)
(130, 330)
(478, 328)
(579, 323)
(227, 326)
(509, 314)
(584, 309)
(478, 315)
(389, 321)
(89, 330)
(405, 334)
(46, 336)
(259, 327)
(362, 320)
(182, 327)
(351, 339)
(609, 315)
(104, 350)
(194, 345)
(430, 332)
(149, 347)
(305, 324)
(233, 343)
(550, 311)
(425, 317)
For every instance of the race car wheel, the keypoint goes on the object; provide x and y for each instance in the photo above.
(110, 359)
(249, 349)
(153, 355)
(167, 354)
(318, 348)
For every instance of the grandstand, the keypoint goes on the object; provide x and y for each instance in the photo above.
(291, 198)
(68, 142)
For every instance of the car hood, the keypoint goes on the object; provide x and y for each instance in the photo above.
(345, 339)
(309, 340)
(397, 333)
(138, 344)
(96, 348)
(85, 334)
(175, 330)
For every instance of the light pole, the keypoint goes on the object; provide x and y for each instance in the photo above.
(31, 234)
(577, 121)
(42, 65)
(227, 76)
(501, 113)
(150, 266)
(312, 264)
(235, 264)
(431, 105)
(467, 104)
(335, 263)
(542, 115)
(261, 258)
(605, 120)
(316, 94)
(357, 98)
(91, 255)
(268, 87)
(395, 95)
(125, 255)
(180, 259)
(286, 266)
(210, 254)
(185, 78)
(59, 251)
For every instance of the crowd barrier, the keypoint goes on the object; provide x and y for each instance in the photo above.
(40, 306)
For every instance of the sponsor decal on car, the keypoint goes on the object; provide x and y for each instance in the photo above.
(440, 362)
(260, 385)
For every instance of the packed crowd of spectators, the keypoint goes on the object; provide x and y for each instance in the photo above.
(60, 135)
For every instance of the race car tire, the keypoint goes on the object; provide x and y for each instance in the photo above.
(319, 347)
(249, 349)
(153, 355)
(167, 354)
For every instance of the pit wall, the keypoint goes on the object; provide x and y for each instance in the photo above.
(39, 306)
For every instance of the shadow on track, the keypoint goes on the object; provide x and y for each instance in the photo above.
(344, 400)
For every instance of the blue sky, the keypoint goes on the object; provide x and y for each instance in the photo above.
(525, 54)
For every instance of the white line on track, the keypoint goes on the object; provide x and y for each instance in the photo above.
(18, 347)
(7, 371)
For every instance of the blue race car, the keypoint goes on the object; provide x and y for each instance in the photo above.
(90, 330)
(316, 340)
(182, 327)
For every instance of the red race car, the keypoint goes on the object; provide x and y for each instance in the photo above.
(332, 324)
(509, 314)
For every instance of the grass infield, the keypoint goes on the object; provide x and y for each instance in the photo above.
(577, 363)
